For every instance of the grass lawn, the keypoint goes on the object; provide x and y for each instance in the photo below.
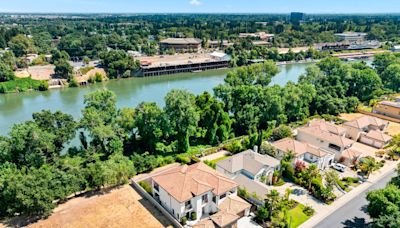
(296, 216)
(219, 159)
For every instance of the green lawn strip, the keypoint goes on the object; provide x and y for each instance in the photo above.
(296, 216)
(21, 85)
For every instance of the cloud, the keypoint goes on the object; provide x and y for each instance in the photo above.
(195, 2)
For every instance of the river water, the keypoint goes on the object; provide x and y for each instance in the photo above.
(16, 108)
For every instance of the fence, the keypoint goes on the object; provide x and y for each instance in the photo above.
(146, 195)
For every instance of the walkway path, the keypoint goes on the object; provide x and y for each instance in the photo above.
(214, 156)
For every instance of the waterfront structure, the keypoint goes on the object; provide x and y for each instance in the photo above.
(181, 63)
(351, 37)
(201, 190)
(388, 108)
(304, 152)
(253, 165)
(181, 45)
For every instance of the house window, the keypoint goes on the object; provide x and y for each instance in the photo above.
(188, 205)
(214, 199)
(156, 187)
(222, 196)
(204, 199)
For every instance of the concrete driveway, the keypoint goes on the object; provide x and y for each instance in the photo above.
(247, 222)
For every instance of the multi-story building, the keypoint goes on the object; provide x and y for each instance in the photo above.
(201, 190)
(352, 37)
(181, 44)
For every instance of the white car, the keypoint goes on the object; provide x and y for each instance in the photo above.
(339, 167)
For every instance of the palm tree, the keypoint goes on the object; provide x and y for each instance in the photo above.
(368, 165)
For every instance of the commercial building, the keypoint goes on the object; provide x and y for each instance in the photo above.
(181, 45)
(181, 63)
(352, 37)
(196, 191)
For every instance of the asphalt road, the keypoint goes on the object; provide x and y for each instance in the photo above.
(353, 214)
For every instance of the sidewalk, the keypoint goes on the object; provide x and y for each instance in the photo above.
(325, 210)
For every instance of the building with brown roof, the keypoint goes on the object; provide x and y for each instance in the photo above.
(388, 108)
(368, 130)
(191, 189)
(375, 138)
(326, 140)
(250, 164)
(305, 152)
(181, 44)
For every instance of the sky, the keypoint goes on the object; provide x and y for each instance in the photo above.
(200, 6)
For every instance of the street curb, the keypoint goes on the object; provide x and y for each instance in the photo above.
(313, 221)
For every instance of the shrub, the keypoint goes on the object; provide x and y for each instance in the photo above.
(281, 132)
(183, 220)
(193, 216)
(73, 82)
(234, 147)
(288, 171)
(43, 86)
(146, 186)
(183, 159)
(210, 163)
(308, 210)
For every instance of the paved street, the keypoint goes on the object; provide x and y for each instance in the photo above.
(353, 213)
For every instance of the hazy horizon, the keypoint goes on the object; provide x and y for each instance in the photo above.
(201, 6)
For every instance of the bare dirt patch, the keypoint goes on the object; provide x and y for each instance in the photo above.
(121, 207)
(350, 116)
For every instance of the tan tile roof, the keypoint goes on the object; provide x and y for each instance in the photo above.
(317, 132)
(224, 218)
(326, 126)
(365, 121)
(299, 148)
(351, 154)
(248, 160)
(207, 223)
(234, 204)
(378, 135)
(184, 182)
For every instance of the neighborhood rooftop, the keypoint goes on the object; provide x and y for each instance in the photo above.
(249, 161)
(181, 41)
(297, 147)
(365, 121)
(184, 182)
(319, 133)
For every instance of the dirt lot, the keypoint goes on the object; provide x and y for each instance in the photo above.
(122, 207)
(393, 129)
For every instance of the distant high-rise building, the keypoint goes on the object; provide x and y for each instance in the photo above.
(296, 17)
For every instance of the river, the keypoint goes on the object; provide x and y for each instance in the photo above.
(16, 108)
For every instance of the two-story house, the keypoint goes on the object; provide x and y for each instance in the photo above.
(326, 140)
(250, 164)
(304, 152)
(197, 189)
(368, 130)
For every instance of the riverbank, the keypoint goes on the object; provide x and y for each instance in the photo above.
(16, 108)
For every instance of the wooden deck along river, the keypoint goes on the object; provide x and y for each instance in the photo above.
(16, 108)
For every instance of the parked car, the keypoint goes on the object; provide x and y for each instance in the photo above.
(339, 167)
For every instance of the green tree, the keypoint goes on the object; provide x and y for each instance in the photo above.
(61, 125)
(21, 45)
(391, 77)
(63, 69)
(181, 111)
(149, 122)
(6, 73)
